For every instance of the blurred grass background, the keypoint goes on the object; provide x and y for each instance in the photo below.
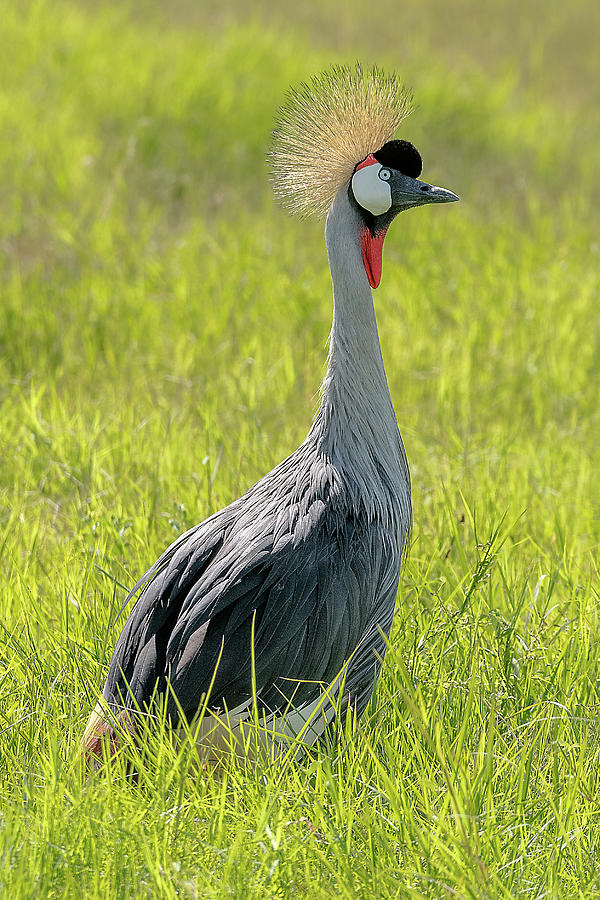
(162, 338)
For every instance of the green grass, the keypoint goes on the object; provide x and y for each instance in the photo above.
(162, 338)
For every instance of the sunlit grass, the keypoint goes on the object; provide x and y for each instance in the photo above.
(162, 338)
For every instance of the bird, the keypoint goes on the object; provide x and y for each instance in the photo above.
(281, 604)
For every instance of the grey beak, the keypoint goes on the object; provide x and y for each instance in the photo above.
(433, 194)
(407, 192)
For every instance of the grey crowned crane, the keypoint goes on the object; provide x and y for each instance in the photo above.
(287, 595)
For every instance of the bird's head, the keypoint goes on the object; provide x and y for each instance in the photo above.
(383, 184)
(326, 141)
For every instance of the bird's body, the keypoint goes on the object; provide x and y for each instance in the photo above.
(295, 582)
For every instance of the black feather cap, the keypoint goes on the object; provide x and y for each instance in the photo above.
(402, 156)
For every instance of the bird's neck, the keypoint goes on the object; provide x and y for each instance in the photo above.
(356, 414)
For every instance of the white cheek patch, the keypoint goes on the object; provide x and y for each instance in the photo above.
(370, 191)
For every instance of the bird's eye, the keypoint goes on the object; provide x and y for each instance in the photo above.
(385, 174)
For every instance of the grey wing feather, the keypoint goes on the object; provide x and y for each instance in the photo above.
(310, 588)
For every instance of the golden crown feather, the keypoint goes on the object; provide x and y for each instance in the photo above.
(326, 126)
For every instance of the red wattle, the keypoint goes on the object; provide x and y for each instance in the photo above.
(372, 250)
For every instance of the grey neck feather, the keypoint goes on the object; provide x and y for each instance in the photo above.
(355, 427)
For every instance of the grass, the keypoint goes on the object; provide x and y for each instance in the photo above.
(162, 334)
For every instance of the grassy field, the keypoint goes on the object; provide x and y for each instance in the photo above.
(162, 339)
